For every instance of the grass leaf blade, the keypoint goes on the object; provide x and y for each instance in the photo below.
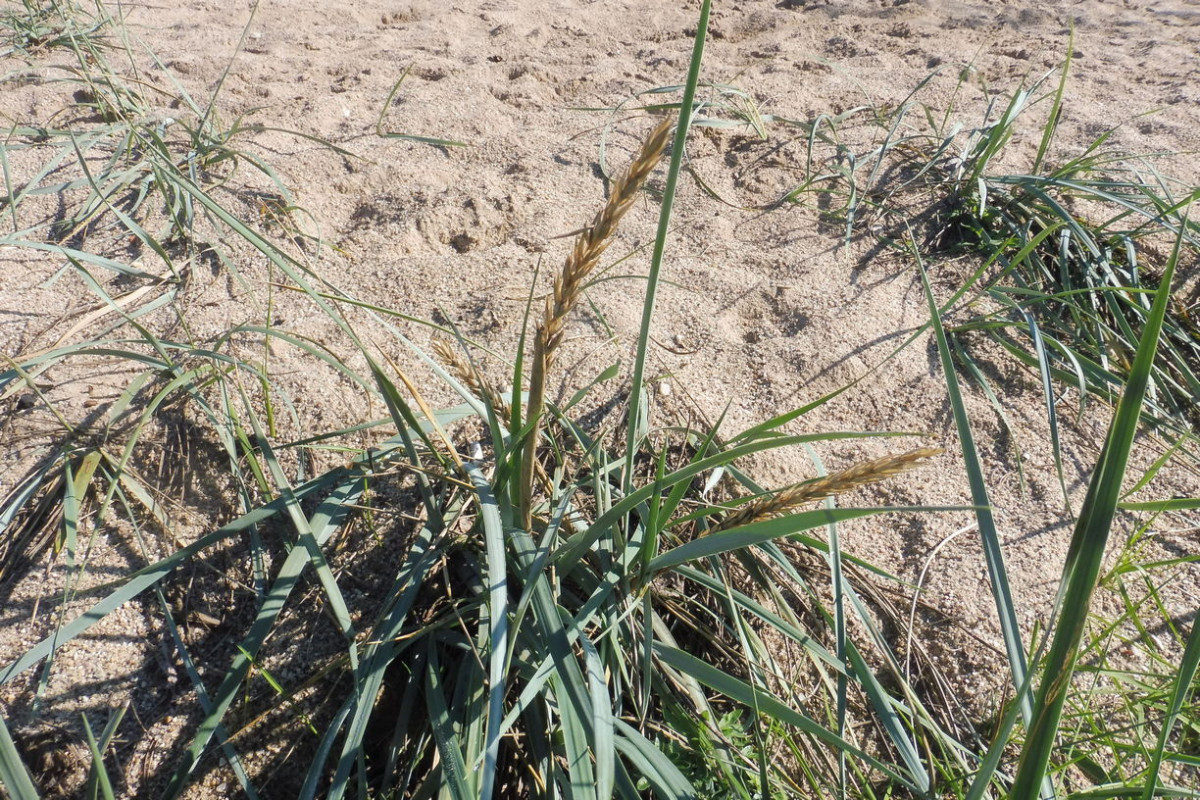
(1086, 553)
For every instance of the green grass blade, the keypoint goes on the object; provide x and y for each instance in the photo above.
(652, 763)
(686, 108)
(330, 515)
(989, 535)
(1179, 696)
(497, 585)
(577, 733)
(602, 721)
(98, 781)
(1001, 739)
(575, 547)
(306, 537)
(758, 533)
(740, 691)
(1159, 506)
(1043, 359)
(1086, 553)
(1055, 115)
(14, 777)
(418, 561)
(387, 104)
(455, 777)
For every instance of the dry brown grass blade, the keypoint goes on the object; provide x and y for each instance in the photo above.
(427, 411)
(862, 474)
(568, 285)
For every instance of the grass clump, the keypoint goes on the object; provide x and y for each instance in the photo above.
(551, 609)
(33, 28)
(1073, 267)
(552, 601)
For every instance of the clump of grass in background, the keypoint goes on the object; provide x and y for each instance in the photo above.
(1090, 293)
(31, 28)
(143, 207)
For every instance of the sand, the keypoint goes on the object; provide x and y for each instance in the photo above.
(763, 309)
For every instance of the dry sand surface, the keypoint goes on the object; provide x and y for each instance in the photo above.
(764, 310)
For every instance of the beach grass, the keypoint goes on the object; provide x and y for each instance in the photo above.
(567, 610)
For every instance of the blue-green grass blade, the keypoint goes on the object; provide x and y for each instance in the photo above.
(885, 711)
(202, 696)
(989, 535)
(1086, 552)
(330, 515)
(387, 104)
(14, 776)
(456, 780)
(106, 737)
(1179, 697)
(98, 781)
(407, 424)
(316, 773)
(738, 690)
(410, 137)
(136, 583)
(964, 358)
(1121, 791)
(1052, 120)
(837, 586)
(634, 417)
(497, 587)
(579, 544)
(647, 656)
(1043, 361)
(90, 258)
(10, 197)
(758, 533)
(653, 764)
(1001, 739)
(577, 735)
(603, 747)
(378, 655)
(307, 538)
(773, 619)
(533, 563)
(553, 635)
(469, 695)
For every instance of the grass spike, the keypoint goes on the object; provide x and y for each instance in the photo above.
(859, 475)
(568, 286)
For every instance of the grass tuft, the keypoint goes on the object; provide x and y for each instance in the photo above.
(548, 607)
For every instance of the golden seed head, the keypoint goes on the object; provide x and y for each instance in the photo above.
(839, 482)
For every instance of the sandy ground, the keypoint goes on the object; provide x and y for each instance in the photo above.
(764, 311)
